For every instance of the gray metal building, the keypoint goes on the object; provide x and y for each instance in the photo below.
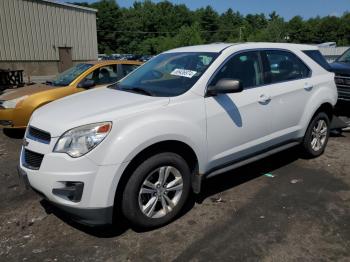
(44, 37)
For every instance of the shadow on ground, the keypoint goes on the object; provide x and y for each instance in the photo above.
(246, 173)
(14, 133)
(107, 231)
(210, 187)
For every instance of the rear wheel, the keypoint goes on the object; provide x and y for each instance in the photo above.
(316, 136)
(157, 190)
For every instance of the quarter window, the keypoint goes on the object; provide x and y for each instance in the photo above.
(318, 58)
(283, 66)
(244, 67)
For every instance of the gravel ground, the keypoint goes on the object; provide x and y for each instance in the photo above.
(282, 208)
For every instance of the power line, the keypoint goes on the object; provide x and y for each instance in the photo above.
(163, 32)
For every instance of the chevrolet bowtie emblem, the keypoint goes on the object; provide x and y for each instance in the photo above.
(25, 142)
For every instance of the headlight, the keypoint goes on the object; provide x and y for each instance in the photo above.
(81, 140)
(12, 103)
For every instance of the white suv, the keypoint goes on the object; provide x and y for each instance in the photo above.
(144, 144)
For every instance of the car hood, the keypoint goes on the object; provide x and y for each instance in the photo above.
(96, 105)
(25, 91)
(340, 68)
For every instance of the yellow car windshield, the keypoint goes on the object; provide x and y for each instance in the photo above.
(68, 76)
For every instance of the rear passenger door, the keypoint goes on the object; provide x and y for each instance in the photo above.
(290, 87)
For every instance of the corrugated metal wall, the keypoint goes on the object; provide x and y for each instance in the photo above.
(32, 30)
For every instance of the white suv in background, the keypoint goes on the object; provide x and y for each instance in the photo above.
(142, 145)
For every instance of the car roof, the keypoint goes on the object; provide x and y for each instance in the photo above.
(219, 47)
(213, 48)
(114, 62)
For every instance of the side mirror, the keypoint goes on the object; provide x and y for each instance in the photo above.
(224, 86)
(86, 84)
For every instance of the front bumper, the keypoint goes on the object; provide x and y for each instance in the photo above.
(86, 216)
(14, 117)
(95, 205)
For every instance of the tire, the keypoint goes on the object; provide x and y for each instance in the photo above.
(152, 207)
(315, 140)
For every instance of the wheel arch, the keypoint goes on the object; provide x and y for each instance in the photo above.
(174, 146)
(326, 108)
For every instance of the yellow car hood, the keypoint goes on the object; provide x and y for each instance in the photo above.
(24, 91)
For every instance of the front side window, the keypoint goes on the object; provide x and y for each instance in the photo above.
(68, 76)
(344, 58)
(244, 67)
(104, 75)
(127, 69)
(168, 74)
(283, 66)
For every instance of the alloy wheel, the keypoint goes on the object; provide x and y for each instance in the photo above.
(160, 192)
(319, 135)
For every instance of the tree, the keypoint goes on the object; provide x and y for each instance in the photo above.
(274, 32)
(230, 24)
(107, 24)
(208, 20)
(344, 30)
(253, 24)
(189, 35)
(149, 28)
(296, 30)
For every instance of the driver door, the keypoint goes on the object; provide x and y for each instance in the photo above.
(238, 124)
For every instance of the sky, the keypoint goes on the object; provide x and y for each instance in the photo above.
(285, 8)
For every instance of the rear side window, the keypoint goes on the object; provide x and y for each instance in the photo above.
(283, 66)
(318, 58)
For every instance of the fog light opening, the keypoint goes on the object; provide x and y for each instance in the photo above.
(72, 191)
(6, 123)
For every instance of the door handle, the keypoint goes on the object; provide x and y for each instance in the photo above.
(308, 87)
(264, 99)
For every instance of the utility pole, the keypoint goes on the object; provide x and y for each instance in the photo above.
(240, 33)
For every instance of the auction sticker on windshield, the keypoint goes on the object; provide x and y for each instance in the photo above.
(183, 73)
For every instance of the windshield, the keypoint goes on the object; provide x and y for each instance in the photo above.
(169, 74)
(345, 57)
(68, 76)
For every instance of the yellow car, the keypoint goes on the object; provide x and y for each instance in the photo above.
(17, 106)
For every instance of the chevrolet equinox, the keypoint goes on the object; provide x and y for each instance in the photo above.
(144, 144)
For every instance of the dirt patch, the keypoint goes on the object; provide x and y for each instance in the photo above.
(255, 213)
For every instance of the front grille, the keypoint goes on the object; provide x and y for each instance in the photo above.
(343, 85)
(38, 135)
(32, 160)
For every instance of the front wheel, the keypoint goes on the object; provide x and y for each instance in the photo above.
(157, 190)
(316, 136)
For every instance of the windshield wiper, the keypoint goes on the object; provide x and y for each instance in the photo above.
(137, 90)
(52, 83)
